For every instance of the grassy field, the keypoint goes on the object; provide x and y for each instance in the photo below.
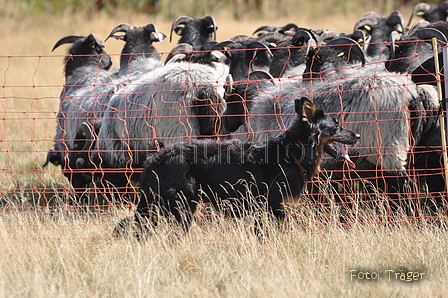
(69, 252)
(68, 255)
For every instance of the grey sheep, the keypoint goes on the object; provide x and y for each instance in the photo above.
(181, 100)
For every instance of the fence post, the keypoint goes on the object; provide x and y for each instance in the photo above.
(441, 100)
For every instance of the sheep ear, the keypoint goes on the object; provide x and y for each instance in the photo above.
(305, 109)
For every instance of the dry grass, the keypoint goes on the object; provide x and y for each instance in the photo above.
(69, 255)
(66, 252)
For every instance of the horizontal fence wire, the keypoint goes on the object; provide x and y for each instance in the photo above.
(100, 130)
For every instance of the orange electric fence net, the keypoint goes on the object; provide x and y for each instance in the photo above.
(94, 131)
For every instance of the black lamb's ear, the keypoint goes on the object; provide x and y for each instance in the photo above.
(306, 109)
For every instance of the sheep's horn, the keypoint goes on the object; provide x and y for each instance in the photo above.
(154, 32)
(239, 38)
(123, 27)
(212, 22)
(181, 48)
(372, 14)
(396, 19)
(96, 39)
(369, 21)
(326, 35)
(428, 33)
(85, 130)
(424, 7)
(271, 37)
(223, 45)
(305, 33)
(394, 36)
(179, 20)
(67, 39)
(229, 84)
(80, 163)
(258, 44)
(290, 27)
(417, 26)
(268, 28)
(359, 36)
(259, 75)
(355, 48)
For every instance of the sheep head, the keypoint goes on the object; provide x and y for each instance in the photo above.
(85, 51)
(196, 32)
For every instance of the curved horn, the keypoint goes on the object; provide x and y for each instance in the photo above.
(417, 26)
(181, 48)
(305, 33)
(326, 35)
(271, 37)
(359, 36)
(260, 75)
(421, 7)
(212, 21)
(154, 32)
(179, 20)
(123, 27)
(224, 44)
(86, 131)
(80, 163)
(428, 33)
(268, 28)
(260, 45)
(372, 14)
(229, 84)
(396, 20)
(369, 21)
(174, 58)
(355, 48)
(394, 36)
(67, 39)
(95, 38)
(239, 38)
(290, 27)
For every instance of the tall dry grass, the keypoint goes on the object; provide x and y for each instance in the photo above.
(68, 255)
(69, 252)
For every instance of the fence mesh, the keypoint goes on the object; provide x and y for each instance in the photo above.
(128, 119)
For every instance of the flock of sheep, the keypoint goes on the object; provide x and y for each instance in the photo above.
(378, 79)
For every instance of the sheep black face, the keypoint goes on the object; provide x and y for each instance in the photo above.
(378, 29)
(85, 51)
(139, 42)
(430, 14)
(339, 53)
(196, 32)
(403, 51)
(245, 55)
(288, 51)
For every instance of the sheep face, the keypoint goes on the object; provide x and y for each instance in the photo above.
(85, 51)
